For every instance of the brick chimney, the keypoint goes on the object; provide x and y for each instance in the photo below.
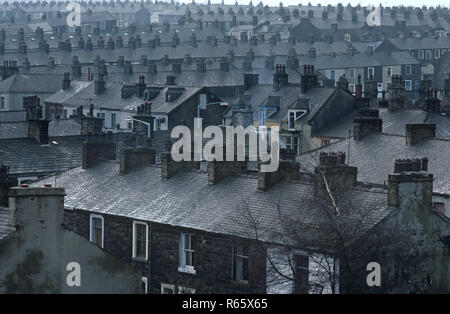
(169, 167)
(144, 114)
(334, 173)
(280, 77)
(415, 133)
(37, 125)
(396, 93)
(66, 81)
(367, 122)
(411, 185)
(287, 170)
(140, 86)
(6, 182)
(98, 146)
(131, 158)
(99, 85)
(218, 170)
(308, 78)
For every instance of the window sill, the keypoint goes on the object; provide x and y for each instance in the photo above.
(240, 282)
(188, 270)
(139, 259)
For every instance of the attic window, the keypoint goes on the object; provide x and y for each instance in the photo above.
(294, 115)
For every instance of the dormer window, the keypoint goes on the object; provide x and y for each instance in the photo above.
(294, 115)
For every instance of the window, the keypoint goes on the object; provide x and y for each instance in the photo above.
(185, 290)
(113, 120)
(437, 54)
(351, 73)
(187, 253)
(408, 86)
(439, 207)
(325, 142)
(388, 71)
(428, 54)
(351, 87)
(65, 113)
(96, 230)
(2, 103)
(370, 73)
(144, 286)
(408, 69)
(421, 54)
(333, 75)
(301, 273)
(240, 263)
(167, 288)
(291, 120)
(140, 239)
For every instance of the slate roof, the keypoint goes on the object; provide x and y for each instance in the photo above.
(16, 129)
(393, 123)
(375, 156)
(27, 156)
(83, 93)
(5, 226)
(187, 200)
(288, 96)
(12, 116)
(66, 127)
(30, 83)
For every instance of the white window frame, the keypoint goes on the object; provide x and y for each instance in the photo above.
(145, 281)
(182, 263)
(437, 54)
(351, 88)
(421, 54)
(350, 73)
(428, 54)
(135, 223)
(167, 286)
(185, 290)
(235, 257)
(410, 85)
(91, 233)
(389, 71)
(370, 69)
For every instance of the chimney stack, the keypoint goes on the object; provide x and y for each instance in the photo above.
(419, 131)
(367, 122)
(66, 81)
(308, 78)
(287, 170)
(333, 174)
(99, 85)
(98, 146)
(280, 77)
(37, 125)
(411, 180)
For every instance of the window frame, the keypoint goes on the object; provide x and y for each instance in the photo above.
(91, 225)
(237, 256)
(389, 71)
(134, 241)
(408, 69)
(410, 85)
(167, 286)
(144, 280)
(368, 72)
(297, 267)
(182, 267)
